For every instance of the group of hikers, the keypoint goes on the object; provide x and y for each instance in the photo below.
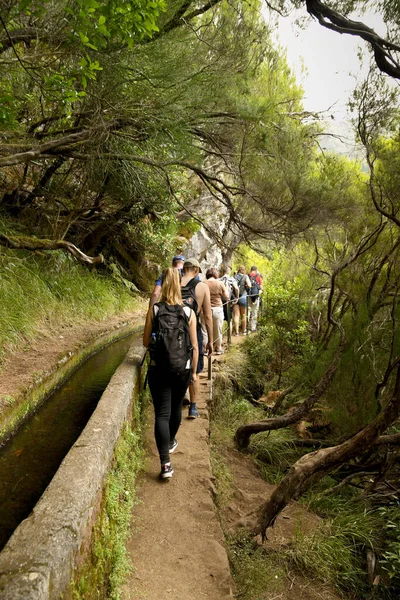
(184, 322)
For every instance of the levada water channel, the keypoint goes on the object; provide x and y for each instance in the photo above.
(29, 460)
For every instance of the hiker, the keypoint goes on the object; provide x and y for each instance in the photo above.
(170, 335)
(253, 296)
(196, 294)
(177, 262)
(239, 310)
(233, 291)
(218, 296)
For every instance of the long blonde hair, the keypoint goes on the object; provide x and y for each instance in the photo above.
(171, 286)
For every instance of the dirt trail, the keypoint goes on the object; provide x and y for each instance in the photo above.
(177, 546)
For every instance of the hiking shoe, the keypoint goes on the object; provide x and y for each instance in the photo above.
(166, 471)
(219, 352)
(235, 334)
(244, 332)
(186, 399)
(172, 446)
(193, 412)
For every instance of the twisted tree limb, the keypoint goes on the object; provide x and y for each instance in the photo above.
(32, 244)
(242, 436)
(331, 19)
(383, 440)
(315, 465)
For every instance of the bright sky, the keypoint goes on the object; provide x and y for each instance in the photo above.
(325, 62)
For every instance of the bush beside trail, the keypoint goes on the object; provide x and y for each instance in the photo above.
(329, 413)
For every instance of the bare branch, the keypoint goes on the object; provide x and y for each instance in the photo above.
(333, 20)
(33, 244)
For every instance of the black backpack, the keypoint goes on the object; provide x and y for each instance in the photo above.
(241, 279)
(170, 347)
(188, 295)
(255, 288)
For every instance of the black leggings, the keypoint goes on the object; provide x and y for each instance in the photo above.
(167, 390)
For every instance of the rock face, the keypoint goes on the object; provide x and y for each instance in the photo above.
(215, 241)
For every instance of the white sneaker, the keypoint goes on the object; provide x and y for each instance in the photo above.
(166, 471)
(172, 446)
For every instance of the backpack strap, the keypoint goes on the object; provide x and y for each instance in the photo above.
(160, 307)
(189, 289)
(191, 284)
(241, 280)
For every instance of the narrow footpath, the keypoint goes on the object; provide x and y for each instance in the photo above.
(177, 548)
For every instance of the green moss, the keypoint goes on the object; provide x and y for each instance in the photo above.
(108, 564)
(223, 479)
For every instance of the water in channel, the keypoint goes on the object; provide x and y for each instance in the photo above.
(29, 460)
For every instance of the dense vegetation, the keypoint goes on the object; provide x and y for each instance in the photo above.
(325, 362)
(116, 116)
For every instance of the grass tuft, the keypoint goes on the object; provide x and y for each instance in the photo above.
(41, 291)
(257, 574)
(274, 453)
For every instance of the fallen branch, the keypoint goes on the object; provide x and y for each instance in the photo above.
(32, 244)
(344, 482)
(281, 398)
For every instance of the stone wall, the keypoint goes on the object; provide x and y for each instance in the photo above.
(38, 561)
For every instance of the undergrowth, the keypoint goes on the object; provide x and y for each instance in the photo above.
(274, 453)
(256, 574)
(108, 565)
(39, 292)
(335, 552)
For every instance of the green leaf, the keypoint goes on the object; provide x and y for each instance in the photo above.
(103, 29)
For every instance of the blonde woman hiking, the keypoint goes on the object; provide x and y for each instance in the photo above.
(170, 335)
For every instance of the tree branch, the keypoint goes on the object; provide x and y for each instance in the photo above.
(333, 20)
(32, 244)
(242, 435)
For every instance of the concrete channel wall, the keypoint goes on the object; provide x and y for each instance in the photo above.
(38, 561)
